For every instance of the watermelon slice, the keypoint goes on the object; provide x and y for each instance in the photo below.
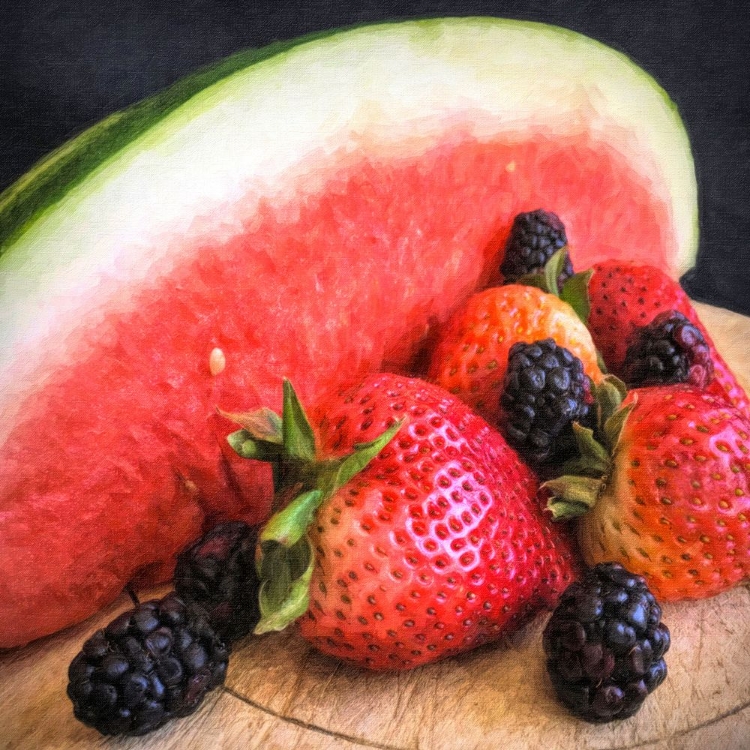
(312, 210)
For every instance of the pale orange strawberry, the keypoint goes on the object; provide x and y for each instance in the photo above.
(471, 354)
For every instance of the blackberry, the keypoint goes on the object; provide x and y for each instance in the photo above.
(605, 644)
(534, 237)
(151, 664)
(670, 349)
(544, 392)
(218, 573)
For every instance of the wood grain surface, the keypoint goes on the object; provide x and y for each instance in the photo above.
(281, 694)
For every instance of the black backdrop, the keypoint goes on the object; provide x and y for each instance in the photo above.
(66, 64)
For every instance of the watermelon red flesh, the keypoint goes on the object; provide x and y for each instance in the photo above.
(119, 459)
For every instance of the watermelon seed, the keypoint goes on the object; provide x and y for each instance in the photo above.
(216, 361)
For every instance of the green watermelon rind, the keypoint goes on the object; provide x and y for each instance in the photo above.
(51, 179)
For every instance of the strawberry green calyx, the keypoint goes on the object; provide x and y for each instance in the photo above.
(302, 483)
(585, 476)
(285, 563)
(575, 293)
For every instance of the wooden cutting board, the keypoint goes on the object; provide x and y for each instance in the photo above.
(281, 694)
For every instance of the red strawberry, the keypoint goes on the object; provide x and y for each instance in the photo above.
(436, 546)
(624, 297)
(471, 356)
(673, 499)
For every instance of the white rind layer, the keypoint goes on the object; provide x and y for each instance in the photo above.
(387, 90)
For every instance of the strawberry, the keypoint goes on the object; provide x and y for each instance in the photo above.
(665, 490)
(412, 548)
(624, 297)
(471, 355)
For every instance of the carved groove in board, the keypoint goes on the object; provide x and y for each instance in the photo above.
(310, 727)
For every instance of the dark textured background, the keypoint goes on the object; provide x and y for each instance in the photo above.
(64, 65)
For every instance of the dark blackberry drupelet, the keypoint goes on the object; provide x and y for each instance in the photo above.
(605, 644)
(534, 237)
(544, 392)
(149, 665)
(670, 349)
(218, 573)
